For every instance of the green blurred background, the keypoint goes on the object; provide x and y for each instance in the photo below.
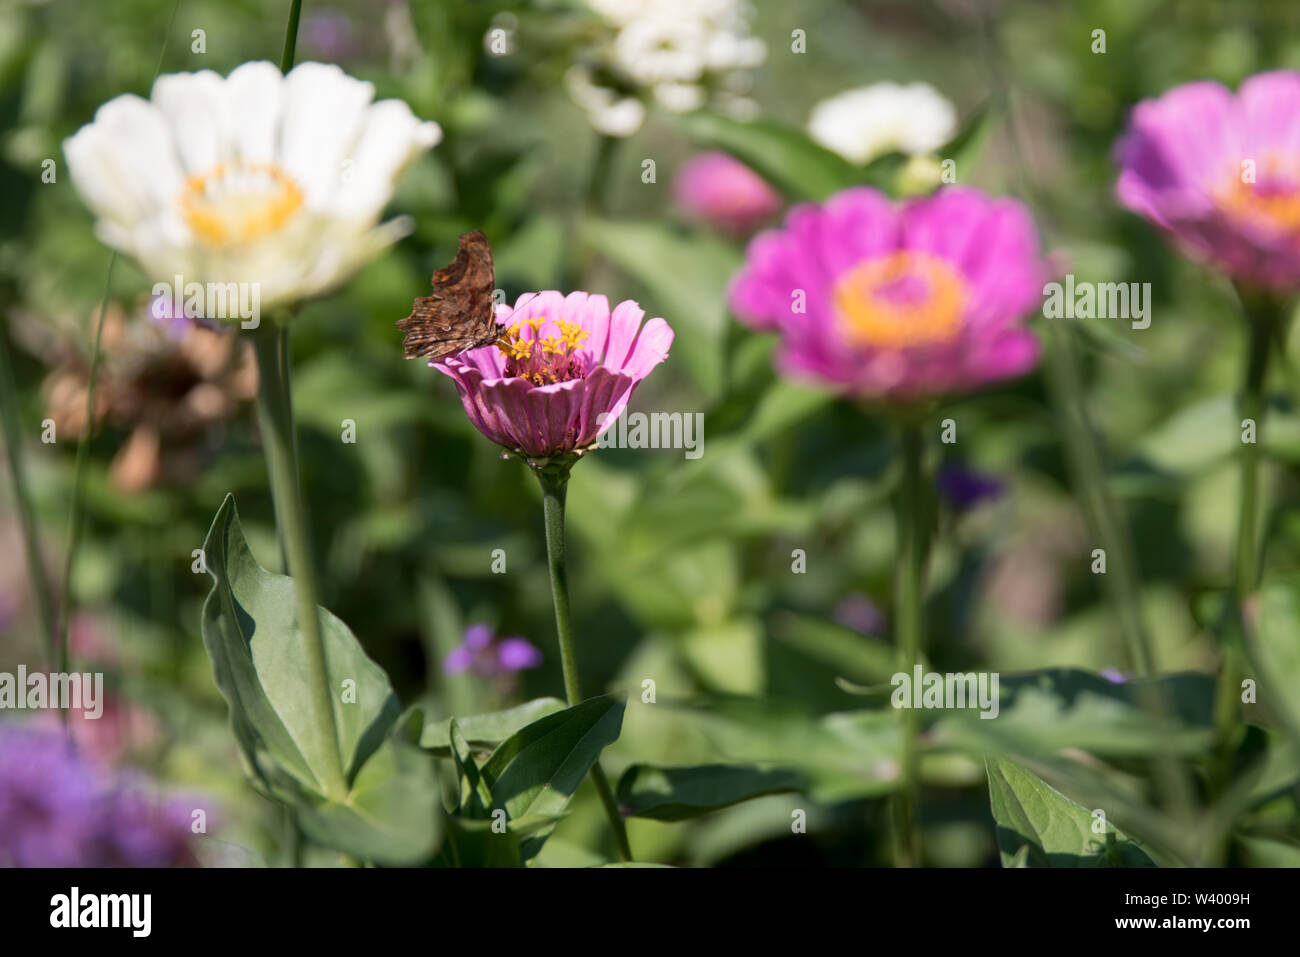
(681, 570)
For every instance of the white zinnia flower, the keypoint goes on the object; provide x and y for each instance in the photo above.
(873, 120)
(676, 51)
(255, 178)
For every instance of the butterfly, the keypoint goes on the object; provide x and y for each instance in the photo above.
(461, 313)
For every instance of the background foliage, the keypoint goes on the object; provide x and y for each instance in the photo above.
(680, 570)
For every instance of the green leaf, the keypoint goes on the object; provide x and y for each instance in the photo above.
(391, 814)
(472, 843)
(484, 732)
(685, 276)
(475, 798)
(251, 634)
(1276, 649)
(1035, 818)
(842, 756)
(1204, 434)
(1043, 712)
(676, 794)
(786, 157)
(538, 768)
(859, 658)
(1270, 852)
(965, 148)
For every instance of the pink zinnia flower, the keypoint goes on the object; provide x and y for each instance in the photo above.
(897, 302)
(1221, 174)
(564, 374)
(724, 192)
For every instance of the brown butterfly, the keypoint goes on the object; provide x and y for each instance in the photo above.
(461, 313)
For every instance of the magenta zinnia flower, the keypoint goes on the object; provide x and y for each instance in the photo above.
(564, 374)
(897, 302)
(1221, 174)
(724, 192)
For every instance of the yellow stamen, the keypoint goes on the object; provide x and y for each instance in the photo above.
(236, 204)
(1270, 198)
(908, 298)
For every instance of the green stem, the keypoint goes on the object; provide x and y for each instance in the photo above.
(1253, 406)
(290, 36)
(275, 418)
(22, 500)
(1263, 321)
(554, 480)
(78, 473)
(913, 544)
(1102, 514)
(598, 175)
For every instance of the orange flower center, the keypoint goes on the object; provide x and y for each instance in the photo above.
(908, 298)
(543, 359)
(1270, 199)
(233, 204)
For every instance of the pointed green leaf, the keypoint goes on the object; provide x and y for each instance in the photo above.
(252, 636)
(537, 770)
(475, 798)
(676, 794)
(1039, 826)
(250, 631)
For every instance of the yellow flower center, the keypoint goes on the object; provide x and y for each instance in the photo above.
(1272, 196)
(233, 204)
(543, 360)
(907, 298)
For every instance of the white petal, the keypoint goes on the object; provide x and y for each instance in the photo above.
(388, 140)
(253, 94)
(124, 163)
(323, 111)
(194, 105)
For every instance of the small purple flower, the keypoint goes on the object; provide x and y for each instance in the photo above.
(860, 613)
(1114, 677)
(965, 487)
(491, 657)
(58, 811)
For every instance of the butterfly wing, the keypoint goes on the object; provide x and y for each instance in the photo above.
(460, 315)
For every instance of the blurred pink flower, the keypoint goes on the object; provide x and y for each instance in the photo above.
(899, 302)
(722, 191)
(564, 375)
(489, 656)
(1221, 174)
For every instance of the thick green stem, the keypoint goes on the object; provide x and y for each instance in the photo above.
(554, 480)
(22, 502)
(1263, 322)
(913, 544)
(276, 421)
